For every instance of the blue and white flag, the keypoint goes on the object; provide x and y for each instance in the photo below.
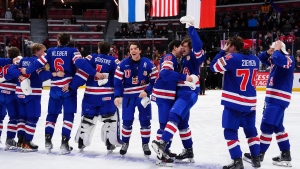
(131, 10)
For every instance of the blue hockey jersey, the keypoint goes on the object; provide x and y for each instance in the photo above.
(164, 89)
(36, 78)
(280, 82)
(133, 78)
(191, 63)
(239, 82)
(103, 64)
(62, 58)
(8, 87)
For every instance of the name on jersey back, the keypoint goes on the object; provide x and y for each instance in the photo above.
(59, 53)
(102, 60)
(248, 63)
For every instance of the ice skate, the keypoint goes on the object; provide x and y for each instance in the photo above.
(170, 154)
(255, 161)
(146, 150)
(10, 144)
(236, 164)
(164, 162)
(187, 156)
(109, 147)
(284, 159)
(81, 146)
(124, 148)
(20, 142)
(159, 148)
(29, 146)
(48, 143)
(65, 148)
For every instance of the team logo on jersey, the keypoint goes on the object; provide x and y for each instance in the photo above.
(135, 80)
(145, 73)
(227, 57)
(5, 91)
(188, 57)
(145, 64)
(21, 96)
(153, 98)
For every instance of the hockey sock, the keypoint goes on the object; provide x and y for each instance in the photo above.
(265, 141)
(12, 127)
(145, 134)
(30, 128)
(186, 138)
(21, 127)
(126, 133)
(254, 146)
(169, 131)
(234, 148)
(233, 143)
(159, 134)
(283, 141)
(67, 126)
(50, 124)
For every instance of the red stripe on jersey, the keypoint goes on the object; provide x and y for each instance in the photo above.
(164, 93)
(82, 73)
(12, 127)
(43, 60)
(278, 94)
(281, 136)
(8, 86)
(61, 83)
(98, 90)
(219, 68)
(118, 74)
(136, 89)
(238, 98)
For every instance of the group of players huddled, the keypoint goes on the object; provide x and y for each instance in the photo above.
(135, 82)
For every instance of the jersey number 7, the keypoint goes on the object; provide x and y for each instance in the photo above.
(245, 73)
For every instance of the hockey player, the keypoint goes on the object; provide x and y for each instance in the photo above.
(164, 90)
(8, 100)
(98, 100)
(278, 96)
(186, 97)
(239, 98)
(29, 101)
(61, 58)
(134, 80)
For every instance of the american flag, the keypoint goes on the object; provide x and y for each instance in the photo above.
(164, 8)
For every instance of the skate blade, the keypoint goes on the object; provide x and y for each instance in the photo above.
(163, 164)
(247, 160)
(109, 152)
(157, 150)
(283, 163)
(27, 150)
(187, 160)
(64, 152)
(147, 156)
(11, 148)
(48, 151)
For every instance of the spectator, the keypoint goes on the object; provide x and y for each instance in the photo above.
(138, 32)
(117, 33)
(83, 52)
(170, 25)
(99, 28)
(131, 33)
(135, 27)
(28, 44)
(164, 33)
(8, 14)
(84, 28)
(124, 25)
(124, 33)
(73, 20)
(297, 64)
(149, 33)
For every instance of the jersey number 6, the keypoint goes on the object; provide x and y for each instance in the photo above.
(58, 62)
(245, 73)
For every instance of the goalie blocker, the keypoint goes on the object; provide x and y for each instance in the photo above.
(110, 131)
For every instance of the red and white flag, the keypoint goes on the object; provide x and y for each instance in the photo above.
(203, 11)
(164, 8)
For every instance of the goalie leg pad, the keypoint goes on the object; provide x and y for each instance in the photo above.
(86, 130)
(111, 129)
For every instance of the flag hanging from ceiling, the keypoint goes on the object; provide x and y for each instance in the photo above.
(164, 8)
(203, 11)
(131, 10)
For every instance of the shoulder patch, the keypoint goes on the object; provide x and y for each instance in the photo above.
(228, 56)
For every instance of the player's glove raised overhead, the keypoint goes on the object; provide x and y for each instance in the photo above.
(189, 20)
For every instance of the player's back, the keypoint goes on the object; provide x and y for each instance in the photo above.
(62, 59)
(239, 81)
